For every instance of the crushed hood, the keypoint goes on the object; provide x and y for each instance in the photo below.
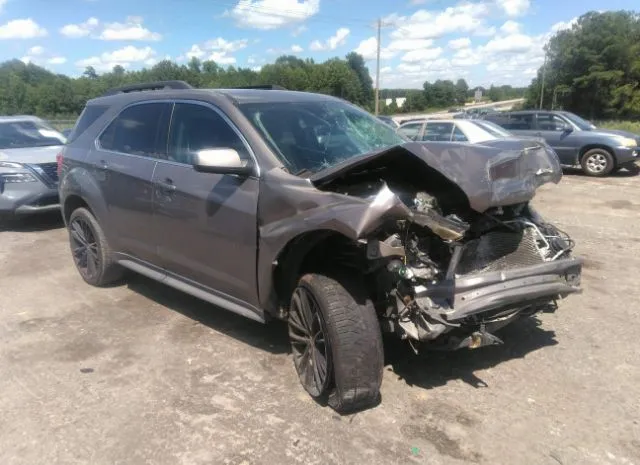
(494, 173)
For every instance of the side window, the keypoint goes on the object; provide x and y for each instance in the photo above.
(521, 122)
(139, 130)
(550, 122)
(458, 135)
(196, 127)
(410, 130)
(438, 132)
(88, 116)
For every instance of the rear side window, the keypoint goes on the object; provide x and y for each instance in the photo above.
(458, 135)
(89, 115)
(519, 122)
(410, 130)
(438, 132)
(139, 130)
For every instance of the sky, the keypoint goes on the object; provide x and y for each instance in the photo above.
(483, 41)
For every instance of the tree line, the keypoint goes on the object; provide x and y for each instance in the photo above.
(30, 89)
(593, 68)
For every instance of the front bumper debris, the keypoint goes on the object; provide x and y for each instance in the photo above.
(462, 297)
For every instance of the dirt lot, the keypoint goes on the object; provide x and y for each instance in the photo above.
(143, 374)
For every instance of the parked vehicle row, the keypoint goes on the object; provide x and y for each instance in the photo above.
(304, 208)
(28, 176)
(577, 142)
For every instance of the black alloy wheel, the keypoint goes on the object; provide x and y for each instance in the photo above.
(311, 352)
(85, 248)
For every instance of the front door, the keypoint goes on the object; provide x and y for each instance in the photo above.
(552, 128)
(206, 224)
(124, 164)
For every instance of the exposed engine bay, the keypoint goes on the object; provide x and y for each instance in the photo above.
(448, 243)
(433, 258)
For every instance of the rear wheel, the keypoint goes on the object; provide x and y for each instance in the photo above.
(91, 253)
(597, 162)
(336, 342)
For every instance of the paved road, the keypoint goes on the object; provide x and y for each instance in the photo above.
(142, 374)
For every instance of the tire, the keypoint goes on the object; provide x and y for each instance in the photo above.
(90, 250)
(344, 319)
(597, 162)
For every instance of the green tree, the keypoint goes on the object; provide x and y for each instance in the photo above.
(596, 67)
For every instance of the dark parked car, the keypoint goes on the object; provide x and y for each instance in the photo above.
(305, 208)
(28, 177)
(576, 141)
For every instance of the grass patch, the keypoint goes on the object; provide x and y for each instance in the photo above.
(631, 126)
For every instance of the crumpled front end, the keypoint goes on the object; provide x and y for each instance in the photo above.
(443, 234)
(511, 264)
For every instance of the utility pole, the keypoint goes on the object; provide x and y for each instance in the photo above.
(544, 71)
(378, 68)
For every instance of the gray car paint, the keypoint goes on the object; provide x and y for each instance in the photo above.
(569, 145)
(287, 207)
(25, 198)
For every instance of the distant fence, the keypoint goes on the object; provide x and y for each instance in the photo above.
(61, 124)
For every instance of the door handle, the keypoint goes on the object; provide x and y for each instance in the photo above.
(104, 165)
(167, 185)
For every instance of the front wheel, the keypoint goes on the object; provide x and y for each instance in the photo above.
(597, 162)
(336, 342)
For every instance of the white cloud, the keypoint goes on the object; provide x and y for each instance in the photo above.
(124, 57)
(510, 27)
(514, 7)
(296, 48)
(333, 42)
(217, 50)
(422, 55)
(367, 48)
(251, 60)
(511, 43)
(56, 60)
(75, 31)
(131, 29)
(407, 45)
(21, 29)
(462, 42)
(562, 25)
(272, 14)
(37, 50)
(424, 24)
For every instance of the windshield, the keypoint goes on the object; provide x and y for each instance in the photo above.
(310, 136)
(21, 134)
(493, 128)
(575, 119)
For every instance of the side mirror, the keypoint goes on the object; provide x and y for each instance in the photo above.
(566, 128)
(222, 161)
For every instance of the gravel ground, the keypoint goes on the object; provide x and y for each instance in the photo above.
(141, 374)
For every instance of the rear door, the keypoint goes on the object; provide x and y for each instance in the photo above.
(123, 165)
(205, 223)
(520, 123)
(551, 128)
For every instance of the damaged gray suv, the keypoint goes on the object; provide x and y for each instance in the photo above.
(302, 207)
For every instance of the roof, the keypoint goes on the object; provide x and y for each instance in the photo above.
(238, 95)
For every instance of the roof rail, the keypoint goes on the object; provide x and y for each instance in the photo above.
(262, 86)
(159, 85)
